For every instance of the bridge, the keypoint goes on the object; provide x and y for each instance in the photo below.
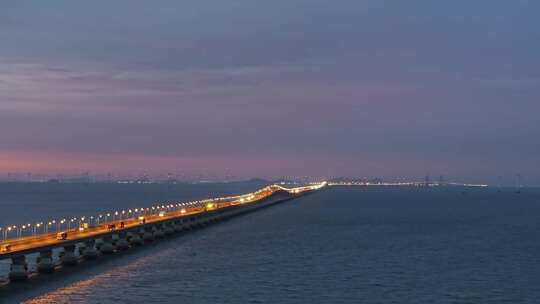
(107, 234)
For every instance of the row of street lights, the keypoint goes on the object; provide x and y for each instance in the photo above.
(69, 223)
(45, 227)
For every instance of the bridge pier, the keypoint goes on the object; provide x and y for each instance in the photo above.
(122, 242)
(168, 229)
(67, 256)
(148, 235)
(158, 231)
(107, 246)
(197, 223)
(222, 215)
(228, 214)
(204, 219)
(88, 250)
(18, 271)
(187, 224)
(44, 261)
(214, 217)
(200, 221)
(178, 226)
(134, 238)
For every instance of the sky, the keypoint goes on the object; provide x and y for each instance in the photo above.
(272, 88)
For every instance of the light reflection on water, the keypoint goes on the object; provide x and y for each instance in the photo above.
(82, 291)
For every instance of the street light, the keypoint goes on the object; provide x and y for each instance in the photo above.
(36, 227)
(20, 230)
(8, 229)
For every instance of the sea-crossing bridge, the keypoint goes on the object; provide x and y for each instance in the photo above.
(91, 237)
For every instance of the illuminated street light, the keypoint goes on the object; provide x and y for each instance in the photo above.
(6, 231)
(36, 227)
(20, 230)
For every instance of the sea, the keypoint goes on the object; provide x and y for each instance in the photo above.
(363, 244)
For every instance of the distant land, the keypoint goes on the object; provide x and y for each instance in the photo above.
(170, 178)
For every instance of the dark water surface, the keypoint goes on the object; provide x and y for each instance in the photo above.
(347, 245)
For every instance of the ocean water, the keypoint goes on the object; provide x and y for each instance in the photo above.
(340, 245)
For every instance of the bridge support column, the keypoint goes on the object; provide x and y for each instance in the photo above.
(88, 250)
(67, 256)
(134, 238)
(45, 262)
(148, 235)
(221, 215)
(204, 220)
(158, 231)
(178, 226)
(216, 216)
(231, 213)
(122, 242)
(168, 228)
(194, 223)
(197, 223)
(107, 247)
(18, 271)
(187, 224)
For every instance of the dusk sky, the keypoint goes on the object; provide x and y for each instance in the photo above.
(272, 88)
